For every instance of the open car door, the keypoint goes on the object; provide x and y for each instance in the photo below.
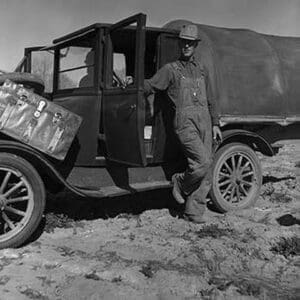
(123, 96)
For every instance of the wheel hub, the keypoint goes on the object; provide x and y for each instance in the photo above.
(236, 178)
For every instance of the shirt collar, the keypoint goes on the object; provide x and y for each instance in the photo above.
(187, 62)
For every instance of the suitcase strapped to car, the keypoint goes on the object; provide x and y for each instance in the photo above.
(36, 121)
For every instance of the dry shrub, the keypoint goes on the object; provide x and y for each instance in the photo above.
(32, 294)
(244, 286)
(60, 221)
(214, 231)
(280, 198)
(287, 246)
(149, 269)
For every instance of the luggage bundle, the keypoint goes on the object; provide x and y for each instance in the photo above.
(36, 121)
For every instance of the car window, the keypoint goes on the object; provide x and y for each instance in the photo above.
(122, 68)
(119, 67)
(76, 67)
(42, 64)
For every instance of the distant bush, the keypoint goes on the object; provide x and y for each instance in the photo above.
(287, 246)
(214, 231)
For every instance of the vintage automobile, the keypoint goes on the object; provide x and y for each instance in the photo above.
(125, 145)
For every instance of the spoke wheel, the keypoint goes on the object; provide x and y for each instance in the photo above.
(237, 177)
(22, 200)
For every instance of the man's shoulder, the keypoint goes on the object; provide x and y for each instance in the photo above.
(170, 65)
(169, 68)
(173, 66)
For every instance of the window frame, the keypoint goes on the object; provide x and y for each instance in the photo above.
(98, 60)
(138, 82)
(76, 68)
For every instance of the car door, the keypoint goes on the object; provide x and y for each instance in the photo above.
(124, 105)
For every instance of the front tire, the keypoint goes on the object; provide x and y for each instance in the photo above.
(22, 200)
(236, 178)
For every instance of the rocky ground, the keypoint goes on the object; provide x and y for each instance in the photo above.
(138, 248)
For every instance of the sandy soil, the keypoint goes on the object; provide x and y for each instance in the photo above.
(139, 248)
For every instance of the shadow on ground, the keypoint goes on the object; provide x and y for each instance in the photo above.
(78, 208)
(66, 209)
(273, 179)
(70, 206)
(288, 220)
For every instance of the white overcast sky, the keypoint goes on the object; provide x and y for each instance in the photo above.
(27, 23)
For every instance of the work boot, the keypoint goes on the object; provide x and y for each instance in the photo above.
(176, 190)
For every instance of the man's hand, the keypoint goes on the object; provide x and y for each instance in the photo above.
(217, 134)
(128, 80)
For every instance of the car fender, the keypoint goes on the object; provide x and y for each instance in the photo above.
(253, 140)
(43, 165)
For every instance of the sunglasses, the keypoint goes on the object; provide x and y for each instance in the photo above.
(188, 43)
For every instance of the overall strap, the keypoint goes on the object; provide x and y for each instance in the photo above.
(177, 68)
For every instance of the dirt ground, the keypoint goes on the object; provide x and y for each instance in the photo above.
(139, 248)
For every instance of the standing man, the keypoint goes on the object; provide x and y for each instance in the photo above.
(187, 85)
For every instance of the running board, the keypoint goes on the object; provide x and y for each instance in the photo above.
(114, 191)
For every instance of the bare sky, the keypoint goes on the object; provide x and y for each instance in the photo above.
(27, 23)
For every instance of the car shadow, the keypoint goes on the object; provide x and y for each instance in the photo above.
(66, 209)
(288, 220)
(273, 179)
(78, 208)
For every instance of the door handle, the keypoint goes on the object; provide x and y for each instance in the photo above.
(132, 107)
(125, 112)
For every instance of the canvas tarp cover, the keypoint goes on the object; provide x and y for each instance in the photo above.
(252, 74)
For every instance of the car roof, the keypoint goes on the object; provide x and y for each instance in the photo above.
(96, 26)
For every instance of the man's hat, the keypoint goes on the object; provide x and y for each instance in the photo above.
(189, 32)
(89, 59)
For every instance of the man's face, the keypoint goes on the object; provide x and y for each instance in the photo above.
(187, 47)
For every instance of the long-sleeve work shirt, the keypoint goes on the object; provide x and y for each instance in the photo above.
(168, 79)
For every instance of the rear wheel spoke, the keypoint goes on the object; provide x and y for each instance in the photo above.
(224, 174)
(247, 174)
(246, 165)
(225, 182)
(232, 194)
(243, 189)
(247, 183)
(227, 167)
(227, 190)
(15, 211)
(239, 162)
(233, 163)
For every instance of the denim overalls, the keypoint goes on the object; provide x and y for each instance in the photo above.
(193, 128)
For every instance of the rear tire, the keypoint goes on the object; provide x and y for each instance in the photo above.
(237, 177)
(22, 200)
